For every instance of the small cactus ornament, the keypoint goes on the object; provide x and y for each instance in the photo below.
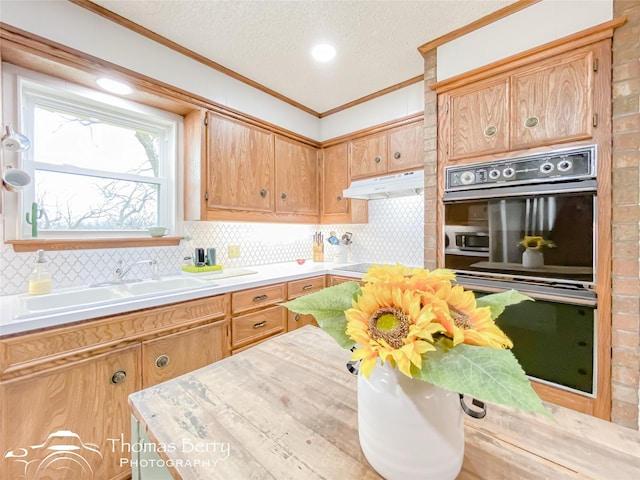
(36, 213)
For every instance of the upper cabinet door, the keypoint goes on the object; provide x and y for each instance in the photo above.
(297, 177)
(553, 102)
(240, 166)
(368, 156)
(479, 120)
(406, 148)
(335, 178)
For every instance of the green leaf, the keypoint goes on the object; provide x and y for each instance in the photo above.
(499, 301)
(328, 306)
(488, 374)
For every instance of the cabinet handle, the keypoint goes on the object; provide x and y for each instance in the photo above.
(397, 155)
(259, 298)
(296, 317)
(377, 159)
(490, 131)
(260, 324)
(531, 122)
(307, 287)
(339, 198)
(162, 361)
(263, 193)
(118, 377)
(283, 196)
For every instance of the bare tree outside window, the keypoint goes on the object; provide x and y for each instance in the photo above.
(95, 174)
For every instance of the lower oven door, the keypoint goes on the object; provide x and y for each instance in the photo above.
(554, 336)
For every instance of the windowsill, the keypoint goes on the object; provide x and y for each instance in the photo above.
(32, 245)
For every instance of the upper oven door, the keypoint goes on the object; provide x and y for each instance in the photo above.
(496, 230)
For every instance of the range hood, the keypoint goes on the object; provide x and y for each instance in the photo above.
(389, 186)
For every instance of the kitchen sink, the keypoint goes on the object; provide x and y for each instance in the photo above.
(165, 285)
(69, 299)
(58, 300)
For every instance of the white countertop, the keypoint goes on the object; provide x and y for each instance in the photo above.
(14, 320)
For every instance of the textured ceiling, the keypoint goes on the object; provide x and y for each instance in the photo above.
(269, 41)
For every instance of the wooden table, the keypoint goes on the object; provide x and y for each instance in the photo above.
(287, 409)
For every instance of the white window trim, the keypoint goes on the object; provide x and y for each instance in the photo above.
(16, 204)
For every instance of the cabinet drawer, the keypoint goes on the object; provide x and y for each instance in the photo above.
(252, 327)
(307, 285)
(258, 297)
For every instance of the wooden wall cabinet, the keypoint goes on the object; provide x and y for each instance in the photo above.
(237, 171)
(240, 160)
(70, 385)
(336, 178)
(297, 178)
(396, 150)
(547, 102)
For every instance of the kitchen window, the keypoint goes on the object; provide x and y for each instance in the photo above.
(101, 166)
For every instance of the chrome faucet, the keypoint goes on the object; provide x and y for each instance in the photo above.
(119, 273)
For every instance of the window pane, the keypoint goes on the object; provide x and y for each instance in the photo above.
(79, 202)
(88, 142)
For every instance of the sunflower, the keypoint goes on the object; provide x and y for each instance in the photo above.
(391, 325)
(417, 279)
(536, 243)
(456, 310)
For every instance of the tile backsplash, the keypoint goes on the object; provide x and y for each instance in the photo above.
(394, 234)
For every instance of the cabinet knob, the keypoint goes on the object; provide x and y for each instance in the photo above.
(259, 298)
(339, 198)
(397, 155)
(531, 122)
(296, 317)
(378, 159)
(260, 324)
(283, 196)
(162, 361)
(490, 131)
(263, 193)
(118, 377)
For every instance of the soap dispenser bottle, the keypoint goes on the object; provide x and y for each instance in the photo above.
(40, 278)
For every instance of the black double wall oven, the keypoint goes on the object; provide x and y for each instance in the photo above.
(529, 224)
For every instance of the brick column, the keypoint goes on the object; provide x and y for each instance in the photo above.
(625, 374)
(430, 162)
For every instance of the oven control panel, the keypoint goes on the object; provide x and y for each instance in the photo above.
(555, 166)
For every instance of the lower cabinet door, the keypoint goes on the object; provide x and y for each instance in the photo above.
(297, 320)
(173, 355)
(71, 422)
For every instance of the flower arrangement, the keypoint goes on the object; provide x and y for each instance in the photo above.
(428, 328)
(536, 242)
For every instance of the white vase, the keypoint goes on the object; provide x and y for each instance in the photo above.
(532, 258)
(409, 429)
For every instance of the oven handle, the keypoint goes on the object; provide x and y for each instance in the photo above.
(521, 190)
(573, 296)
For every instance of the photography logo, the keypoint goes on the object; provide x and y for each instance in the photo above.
(63, 452)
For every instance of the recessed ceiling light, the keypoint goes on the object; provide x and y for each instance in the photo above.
(114, 86)
(323, 52)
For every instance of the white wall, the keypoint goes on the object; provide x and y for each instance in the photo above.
(535, 25)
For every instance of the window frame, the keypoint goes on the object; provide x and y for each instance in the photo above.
(23, 88)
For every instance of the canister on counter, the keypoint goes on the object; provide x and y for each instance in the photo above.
(211, 256)
(199, 257)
